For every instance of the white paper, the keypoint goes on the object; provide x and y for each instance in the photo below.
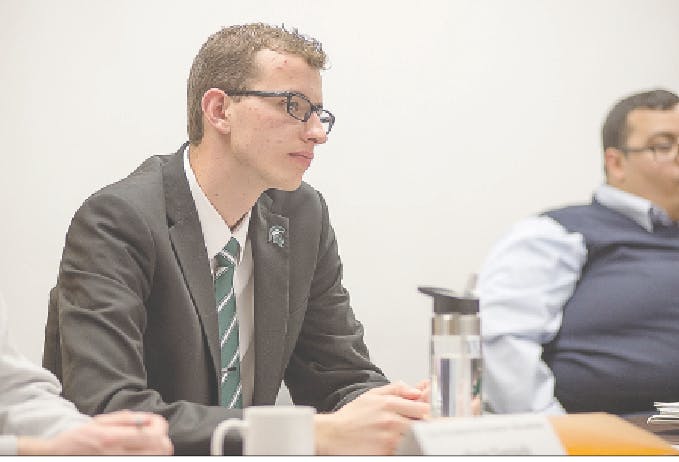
(669, 413)
(521, 434)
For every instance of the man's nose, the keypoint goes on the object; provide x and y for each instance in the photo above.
(315, 130)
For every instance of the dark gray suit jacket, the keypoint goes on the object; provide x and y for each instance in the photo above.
(132, 322)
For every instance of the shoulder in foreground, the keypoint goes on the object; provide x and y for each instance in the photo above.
(145, 181)
(536, 227)
(142, 190)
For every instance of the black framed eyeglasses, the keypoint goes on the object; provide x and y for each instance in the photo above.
(297, 105)
(663, 150)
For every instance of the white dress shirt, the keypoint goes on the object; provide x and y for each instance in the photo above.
(526, 280)
(30, 404)
(216, 235)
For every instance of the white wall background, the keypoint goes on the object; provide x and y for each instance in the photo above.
(454, 120)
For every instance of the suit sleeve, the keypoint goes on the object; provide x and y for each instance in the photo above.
(330, 365)
(524, 283)
(105, 279)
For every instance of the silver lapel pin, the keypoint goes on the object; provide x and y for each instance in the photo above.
(277, 235)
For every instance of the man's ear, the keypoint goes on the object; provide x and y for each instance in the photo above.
(214, 105)
(614, 162)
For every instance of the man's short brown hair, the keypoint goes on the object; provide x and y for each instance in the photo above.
(226, 61)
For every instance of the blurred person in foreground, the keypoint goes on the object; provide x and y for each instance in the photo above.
(35, 420)
(198, 284)
(580, 305)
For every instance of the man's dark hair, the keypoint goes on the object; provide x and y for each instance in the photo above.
(615, 130)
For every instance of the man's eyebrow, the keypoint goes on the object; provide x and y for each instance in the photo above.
(667, 134)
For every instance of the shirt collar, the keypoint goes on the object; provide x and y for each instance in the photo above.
(216, 232)
(636, 208)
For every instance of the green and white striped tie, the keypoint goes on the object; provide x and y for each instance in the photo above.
(228, 325)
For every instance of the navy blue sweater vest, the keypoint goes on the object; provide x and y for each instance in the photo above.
(618, 346)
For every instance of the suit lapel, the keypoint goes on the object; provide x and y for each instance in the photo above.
(271, 277)
(188, 243)
(271, 284)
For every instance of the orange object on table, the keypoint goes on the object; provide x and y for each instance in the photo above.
(605, 434)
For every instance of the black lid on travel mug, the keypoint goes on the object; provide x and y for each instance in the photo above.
(447, 301)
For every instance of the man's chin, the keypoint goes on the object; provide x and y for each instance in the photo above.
(289, 186)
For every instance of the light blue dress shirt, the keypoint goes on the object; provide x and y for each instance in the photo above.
(527, 278)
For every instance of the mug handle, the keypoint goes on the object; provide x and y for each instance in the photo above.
(217, 443)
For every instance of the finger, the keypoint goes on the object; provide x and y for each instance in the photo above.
(422, 385)
(168, 447)
(425, 388)
(161, 447)
(125, 436)
(125, 439)
(408, 408)
(158, 424)
(128, 418)
(124, 448)
(398, 423)
(426, 391)
(408, 392)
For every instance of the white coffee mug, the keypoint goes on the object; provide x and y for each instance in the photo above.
(271, 430)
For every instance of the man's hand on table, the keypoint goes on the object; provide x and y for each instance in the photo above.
(118, 433)
(373, 423)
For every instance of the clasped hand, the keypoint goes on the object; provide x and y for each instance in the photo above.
(373, 423)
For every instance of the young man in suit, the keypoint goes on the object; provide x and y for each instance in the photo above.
(195, 286)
